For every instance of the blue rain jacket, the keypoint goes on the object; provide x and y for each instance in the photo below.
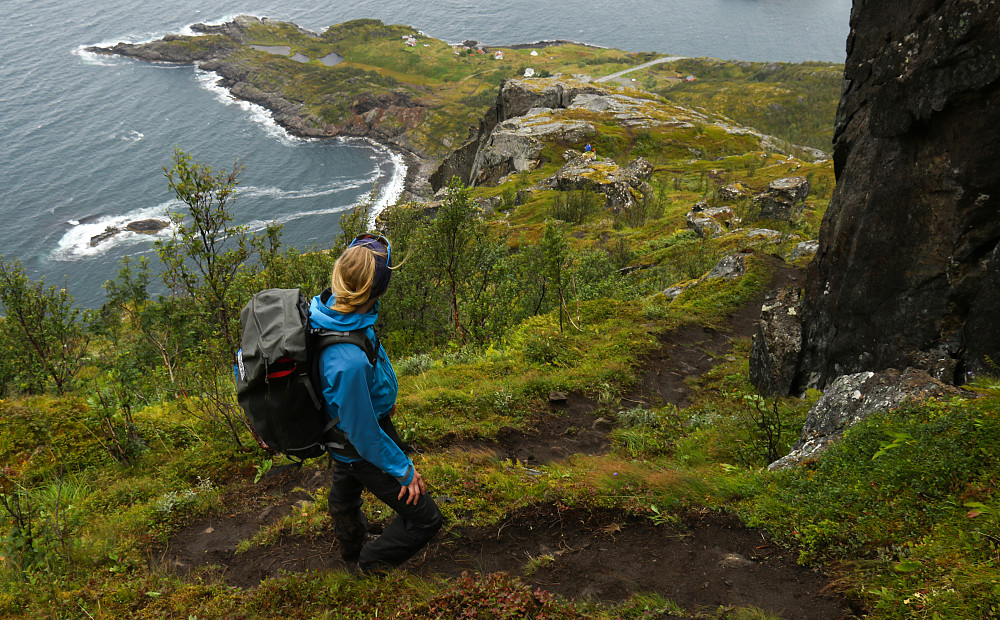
(358, 394)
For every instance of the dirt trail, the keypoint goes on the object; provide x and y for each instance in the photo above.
(705, 562)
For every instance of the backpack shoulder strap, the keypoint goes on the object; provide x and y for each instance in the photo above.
(356, 337)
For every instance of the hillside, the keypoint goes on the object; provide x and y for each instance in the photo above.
(418, 94)
(573, 327)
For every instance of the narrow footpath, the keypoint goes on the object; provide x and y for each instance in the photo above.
(619, 74)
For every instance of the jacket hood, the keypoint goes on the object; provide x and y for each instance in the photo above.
(324, 317)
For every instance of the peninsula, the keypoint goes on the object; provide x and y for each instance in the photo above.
(425, 98)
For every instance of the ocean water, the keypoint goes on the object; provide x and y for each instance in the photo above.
(85, 138)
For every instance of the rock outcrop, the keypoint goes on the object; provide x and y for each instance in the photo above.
(908, 265)
(852, 398)
(516, 98)
(622, 186)
(170, 49)
(783, 198)
(529, 112)
(516, 145)
(777, 343)
(147, 227)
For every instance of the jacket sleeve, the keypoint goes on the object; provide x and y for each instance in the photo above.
(346, 380)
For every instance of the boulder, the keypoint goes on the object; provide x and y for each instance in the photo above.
(147, 227)
(706, 227)
(674, 291)
(802, 250)
(620, 186)
(710, 222)
(851, 398)
(907, 267)
(730, 267)
(734, 192)
(516, 145)
(766, 234)
(777, 343)
(783, 198)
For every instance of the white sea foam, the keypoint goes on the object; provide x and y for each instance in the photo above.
(134, 38)
(209, 80)
(75, 243)
(130, 136)
(312, 191)
(93, 58)
(393, 189)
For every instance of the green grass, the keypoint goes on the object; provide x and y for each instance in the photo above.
(910, 530)
(795, 102)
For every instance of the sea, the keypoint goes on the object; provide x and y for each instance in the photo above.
(86, 138)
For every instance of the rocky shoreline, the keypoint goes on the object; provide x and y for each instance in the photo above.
(217, 56)
(506, 140)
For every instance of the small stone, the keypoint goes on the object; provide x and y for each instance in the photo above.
(601, 424)
(734, 560)
(558, 397)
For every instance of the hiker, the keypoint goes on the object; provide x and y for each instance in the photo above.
(362, 398)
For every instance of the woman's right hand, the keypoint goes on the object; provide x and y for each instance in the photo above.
(414, 489)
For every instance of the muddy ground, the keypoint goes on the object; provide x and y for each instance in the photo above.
(707, 562)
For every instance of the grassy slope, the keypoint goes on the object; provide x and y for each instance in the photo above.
(793, 102)
(921, 552)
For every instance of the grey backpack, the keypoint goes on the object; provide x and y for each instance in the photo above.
(277, 373)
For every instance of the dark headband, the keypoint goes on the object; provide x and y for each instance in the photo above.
(380, 281)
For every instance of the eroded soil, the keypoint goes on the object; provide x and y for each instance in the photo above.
(705, 562)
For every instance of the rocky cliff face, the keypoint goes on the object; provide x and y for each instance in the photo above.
(478, 160)
(908, 266)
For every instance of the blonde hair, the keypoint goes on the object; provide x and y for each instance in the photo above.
(353, 275)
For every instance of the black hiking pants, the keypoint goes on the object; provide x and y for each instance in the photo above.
(414, 525)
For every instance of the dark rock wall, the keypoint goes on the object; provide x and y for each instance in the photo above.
(907, 264)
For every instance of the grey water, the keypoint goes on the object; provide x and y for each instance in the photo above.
(85, 138)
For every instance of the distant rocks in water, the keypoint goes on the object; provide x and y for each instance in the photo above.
(145, 227)
(109, 232)
(148, 227)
